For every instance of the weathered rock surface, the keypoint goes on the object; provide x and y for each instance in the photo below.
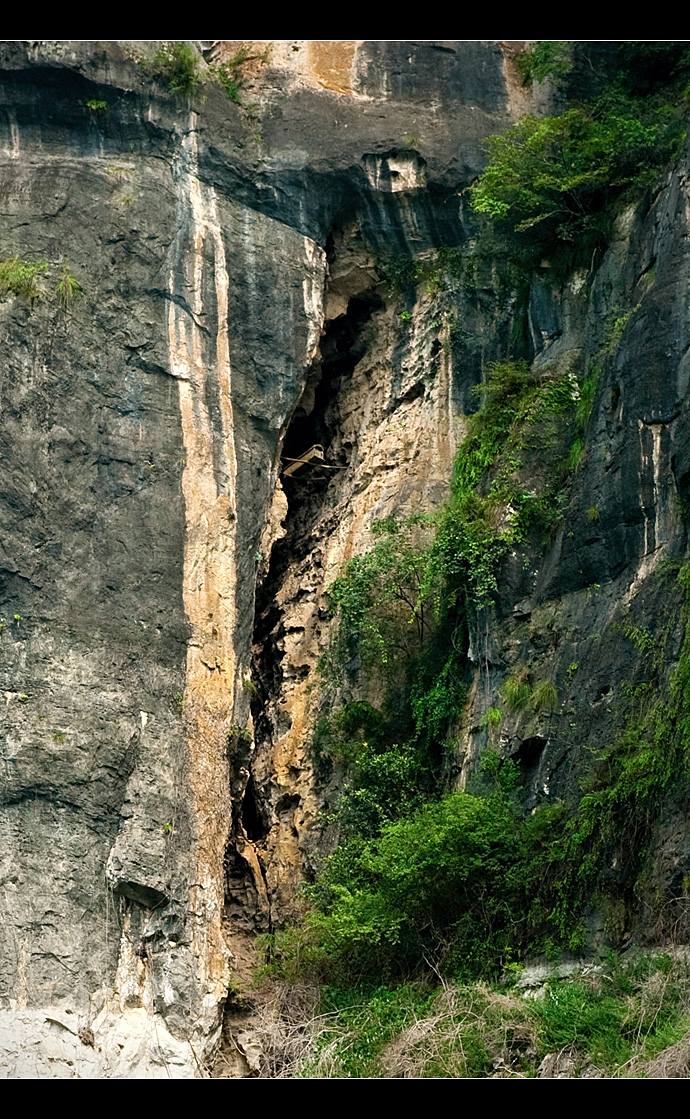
(231, 312)
(142, 428)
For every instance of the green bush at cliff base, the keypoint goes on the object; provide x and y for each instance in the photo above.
(466, 882)
(462, 879)
(403, 610)
(443, 882)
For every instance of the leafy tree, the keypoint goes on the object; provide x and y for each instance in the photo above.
(546, 59)
(551, 182)
(384, 598)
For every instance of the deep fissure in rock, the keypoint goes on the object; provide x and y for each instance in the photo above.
(315, 422)
(311, 491)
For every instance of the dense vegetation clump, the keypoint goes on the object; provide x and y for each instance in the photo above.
(178, 64)
(553, 183)
(423, 872)
(19, 277)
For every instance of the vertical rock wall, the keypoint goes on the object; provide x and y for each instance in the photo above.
(142, 424)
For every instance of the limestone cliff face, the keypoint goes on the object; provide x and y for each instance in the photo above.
(164, 574)
(226, 261)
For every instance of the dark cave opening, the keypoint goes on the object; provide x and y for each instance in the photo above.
(254, 821)
(316, 422)
(529, 754)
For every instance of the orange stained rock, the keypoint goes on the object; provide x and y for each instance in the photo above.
(331, 62)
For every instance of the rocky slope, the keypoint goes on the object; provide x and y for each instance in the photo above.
(163, 580)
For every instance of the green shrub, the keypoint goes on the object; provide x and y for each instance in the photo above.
(178, 63)
(384, 787)
(230, 72)
(18, 277)
(68, 286)
(517, 691)
(482, 521)
(585, 403)
(552, 184)
(545, 59)
(400, 273)
(439, 692)
(384, 599)
(491, 718)
(229, 78)
(436, 876)
(575, 457)
(544, 696)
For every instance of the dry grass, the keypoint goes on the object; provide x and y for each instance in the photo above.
(288, 1039)
(436, 1046)
(277, 1031)
(672, 1063)
(609, 1022)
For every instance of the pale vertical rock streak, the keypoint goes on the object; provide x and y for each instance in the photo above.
(209, 486)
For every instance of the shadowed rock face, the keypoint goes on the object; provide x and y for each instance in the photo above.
(231, 310)
(141, 426)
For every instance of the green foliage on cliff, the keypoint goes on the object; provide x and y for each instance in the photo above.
(229, 78)
(18, 277)
(552, 184)
(230, 72)
(403, 611)
(68, 286)
(470, 883)
(449, 880)
(435, 271)
(464, 879)
(177, 63)
(408, 604)
(384, 599)
(390, 602)
(546, 59)
(388, 777)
